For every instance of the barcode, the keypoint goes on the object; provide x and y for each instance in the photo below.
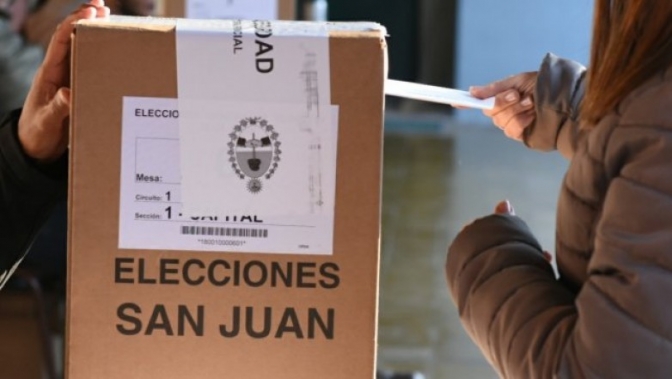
(224, 232)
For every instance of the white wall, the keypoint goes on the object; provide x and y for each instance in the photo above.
(498, 38)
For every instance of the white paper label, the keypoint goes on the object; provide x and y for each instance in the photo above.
(152, 216)
(245, 159)
(232, 9)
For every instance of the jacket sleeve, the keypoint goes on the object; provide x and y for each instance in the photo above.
(508, 298)
(618, 326)
(558, 94)
(28, 193)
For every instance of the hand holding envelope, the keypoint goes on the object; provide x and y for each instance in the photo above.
(508, 102)
(436, 94)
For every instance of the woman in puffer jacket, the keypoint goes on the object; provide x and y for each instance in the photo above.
(609, 313)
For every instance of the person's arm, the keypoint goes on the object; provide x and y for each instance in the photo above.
(558, 94)
(33, 146)
(540, 108)
(28, 193)
(529, 325)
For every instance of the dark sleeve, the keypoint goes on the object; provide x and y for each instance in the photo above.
(28, 193)
(558, 95)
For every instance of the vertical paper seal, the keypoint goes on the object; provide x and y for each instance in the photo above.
(254, 102)
(257, 131)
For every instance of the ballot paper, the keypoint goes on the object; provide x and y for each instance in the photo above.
(436, 94)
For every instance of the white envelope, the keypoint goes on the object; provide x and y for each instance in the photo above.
(436, 94)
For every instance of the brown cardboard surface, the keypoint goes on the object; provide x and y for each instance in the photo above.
(176, 8)
(21, 353)
(110, 62)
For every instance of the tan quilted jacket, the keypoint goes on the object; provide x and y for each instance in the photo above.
(609, 315)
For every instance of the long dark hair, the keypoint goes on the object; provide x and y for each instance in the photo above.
(632, 41)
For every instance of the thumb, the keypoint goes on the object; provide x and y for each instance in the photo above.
(494, 88)
(547, 256)
(58, 108)
(504, 207)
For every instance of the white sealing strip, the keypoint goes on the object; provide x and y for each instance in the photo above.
(254, 99)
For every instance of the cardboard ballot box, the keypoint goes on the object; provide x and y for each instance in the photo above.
(209, 9)
(225, 199)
